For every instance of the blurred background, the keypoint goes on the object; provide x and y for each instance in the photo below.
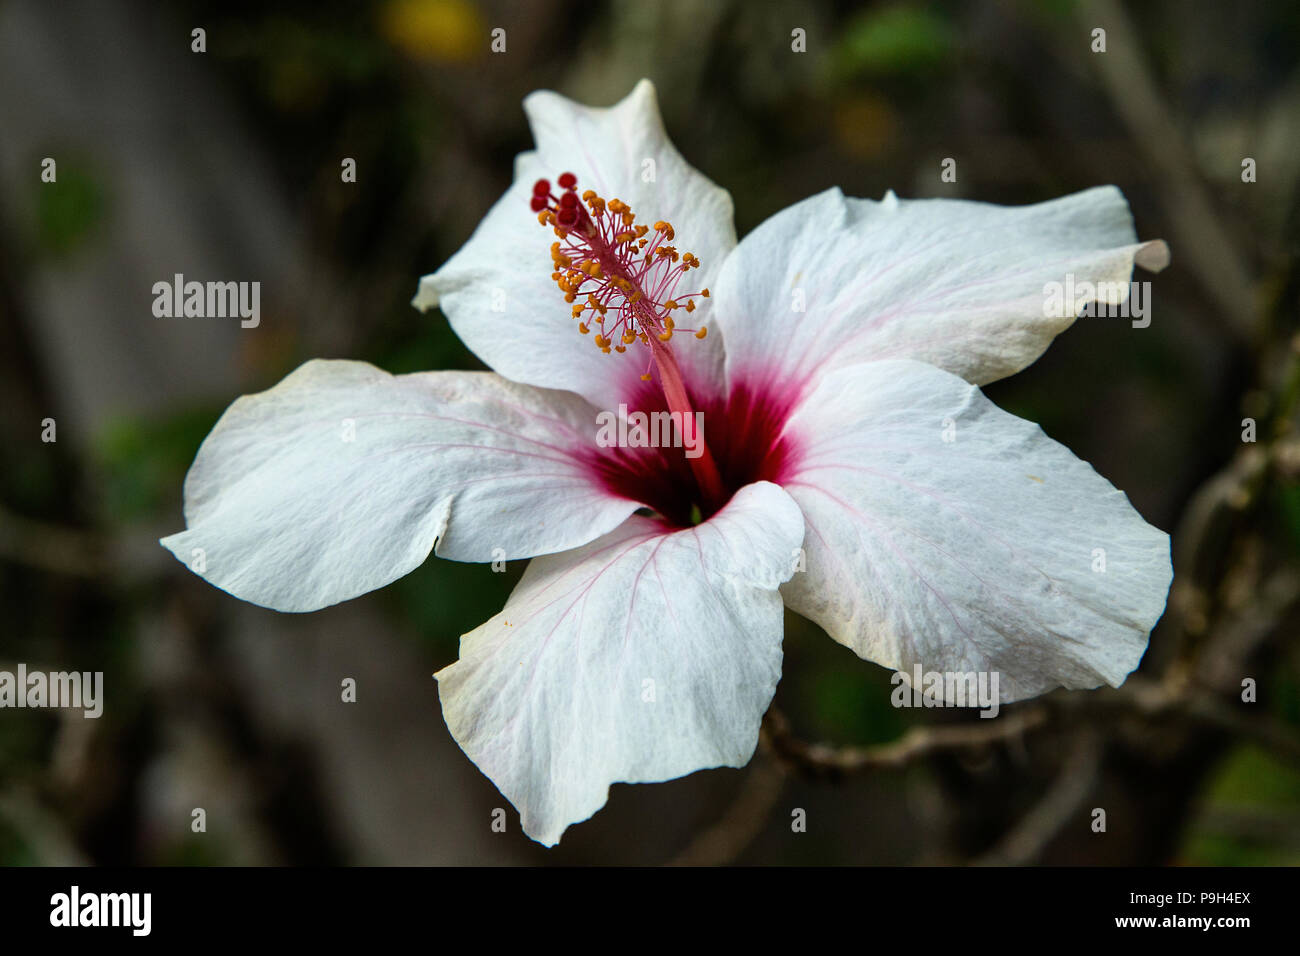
(226, 164)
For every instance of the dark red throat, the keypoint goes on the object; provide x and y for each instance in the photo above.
(744, 433)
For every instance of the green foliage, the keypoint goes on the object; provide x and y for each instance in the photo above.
(832, 694)
(1252, 775)
(894, 40)
(144, 461)
(430, 346)
(1251, 785)
(69, 209)
(1061, 10)
(1286, 500)
(14, 850)
(442, 600)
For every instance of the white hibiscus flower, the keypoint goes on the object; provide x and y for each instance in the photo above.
(644, 640)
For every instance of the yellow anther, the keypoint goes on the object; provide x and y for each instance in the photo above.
(577, 310)
(702, 332)
(645, 377)
(582, 327)
(669, 324)
(620, 348)
(690, 306)
(670, 304)
(588, 195)
(665, 336)
(569, 297)
(705, 293)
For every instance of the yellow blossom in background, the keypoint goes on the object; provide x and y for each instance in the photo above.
(447, 31)
(866, 126)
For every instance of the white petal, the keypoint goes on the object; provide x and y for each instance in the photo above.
(622, 152)
(976, 554)
(552, 697)
(339, 480)
(954, 283)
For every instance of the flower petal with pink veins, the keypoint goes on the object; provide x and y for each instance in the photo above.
(641, 657)
(497, 291)
(342, 477)
(945, 532)
(833, 281)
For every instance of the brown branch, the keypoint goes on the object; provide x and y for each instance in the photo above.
(723, 842)
(1025, 842)
(822, 760)
(1198, 233)
(48, 547)
(1138, 697)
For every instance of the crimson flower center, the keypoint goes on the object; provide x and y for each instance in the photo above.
(747, 439)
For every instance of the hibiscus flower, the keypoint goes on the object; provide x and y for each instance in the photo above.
(848, 466)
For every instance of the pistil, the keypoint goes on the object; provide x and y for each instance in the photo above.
(622, 278)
